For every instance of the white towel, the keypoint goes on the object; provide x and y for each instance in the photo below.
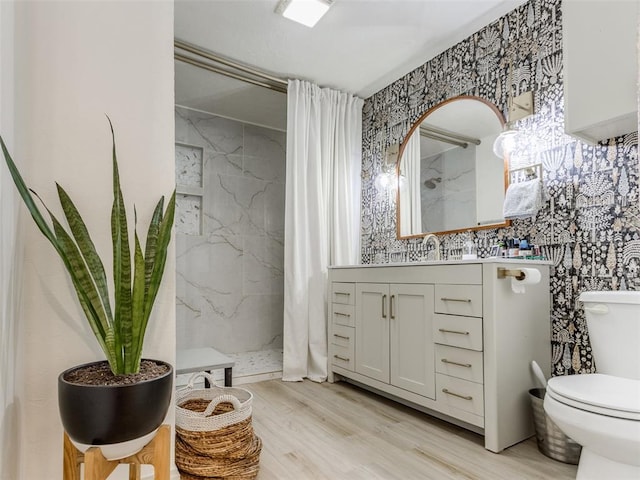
(524, 199)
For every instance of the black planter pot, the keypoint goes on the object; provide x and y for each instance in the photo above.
(110, 414)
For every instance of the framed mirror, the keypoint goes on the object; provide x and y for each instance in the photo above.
(449, 179)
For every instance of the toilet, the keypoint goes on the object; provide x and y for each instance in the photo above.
(601, 411)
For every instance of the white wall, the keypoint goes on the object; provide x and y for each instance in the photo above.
(76, 62)
(9, 265)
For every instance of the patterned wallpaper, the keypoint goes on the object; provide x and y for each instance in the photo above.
(589, 227)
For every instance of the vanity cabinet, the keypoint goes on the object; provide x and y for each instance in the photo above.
(448, 338)
(600, 68)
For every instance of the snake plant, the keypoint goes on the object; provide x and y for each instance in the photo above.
(119, 331)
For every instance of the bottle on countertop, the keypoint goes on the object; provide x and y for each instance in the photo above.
(525, 248)
(469, 249)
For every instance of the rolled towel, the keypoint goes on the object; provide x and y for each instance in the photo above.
(524, 199)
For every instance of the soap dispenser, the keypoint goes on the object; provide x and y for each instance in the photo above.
(469, 249)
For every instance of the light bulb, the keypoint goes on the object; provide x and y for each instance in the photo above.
(505, 143)
(384, 181)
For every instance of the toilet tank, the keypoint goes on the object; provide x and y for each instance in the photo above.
(613, 320)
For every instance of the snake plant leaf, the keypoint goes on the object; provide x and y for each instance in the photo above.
(152, 241)
(28, 199)
(87, 248)
(138, 313)
(121, 260)
(110, 342)
(155, 259)
(160, 254)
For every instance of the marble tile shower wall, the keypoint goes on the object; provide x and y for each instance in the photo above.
(589, 227)
(229, 233)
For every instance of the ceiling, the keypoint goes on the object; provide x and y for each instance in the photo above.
(359, 46)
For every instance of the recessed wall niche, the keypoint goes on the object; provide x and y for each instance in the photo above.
(189, 165)
(188, 214)
(189, 189)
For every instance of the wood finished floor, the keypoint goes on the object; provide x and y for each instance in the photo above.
(339, 431)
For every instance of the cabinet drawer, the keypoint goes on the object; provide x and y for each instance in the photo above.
(342, 346)
(343, 336)
(343, 314)
(344, 293)
(459, 300)
(342, 356)
(459, 363)
(460, 394)
(457, 331)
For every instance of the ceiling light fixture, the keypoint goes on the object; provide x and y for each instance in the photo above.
(306, 12)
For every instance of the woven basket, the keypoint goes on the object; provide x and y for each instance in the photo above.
(214, 435)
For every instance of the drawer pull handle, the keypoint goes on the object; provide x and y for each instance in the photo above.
(342, 293)
(344, 359)
(345, 338)
(464, 397)
(464, 300)
(444, 330)
(342, 314)
(466, 365)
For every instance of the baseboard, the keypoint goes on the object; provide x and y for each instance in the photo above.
(259, 377)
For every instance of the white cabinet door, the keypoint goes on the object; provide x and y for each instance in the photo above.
(372, 330)
(600, 68)
(411, 338)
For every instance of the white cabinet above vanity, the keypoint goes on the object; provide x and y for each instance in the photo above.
(449, 338)
(599, 40)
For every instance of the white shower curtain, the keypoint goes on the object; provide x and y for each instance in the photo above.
(410, 205)
(322, 216)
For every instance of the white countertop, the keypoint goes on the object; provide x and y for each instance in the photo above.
(450, 262)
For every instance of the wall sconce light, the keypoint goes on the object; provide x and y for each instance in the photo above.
(387, 177)
(517, 108)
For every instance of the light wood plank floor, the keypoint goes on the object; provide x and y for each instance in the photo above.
(339, 431)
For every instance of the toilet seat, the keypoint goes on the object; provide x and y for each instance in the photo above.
(597, 393)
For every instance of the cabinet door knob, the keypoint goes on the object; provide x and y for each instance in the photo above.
(466, 365)
(464, 397)
(457, 332)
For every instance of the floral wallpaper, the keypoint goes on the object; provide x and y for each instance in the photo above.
(590, 225)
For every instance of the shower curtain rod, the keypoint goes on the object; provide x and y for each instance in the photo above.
(244, 73)
(447, 136)
(449, 133)
(442, 138)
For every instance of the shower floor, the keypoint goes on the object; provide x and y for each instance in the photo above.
(250, 367)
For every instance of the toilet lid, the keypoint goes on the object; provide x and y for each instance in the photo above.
(598, 393)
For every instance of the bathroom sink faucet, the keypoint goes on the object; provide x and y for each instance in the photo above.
(436, 245)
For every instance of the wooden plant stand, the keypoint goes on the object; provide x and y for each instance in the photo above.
(96, 467)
